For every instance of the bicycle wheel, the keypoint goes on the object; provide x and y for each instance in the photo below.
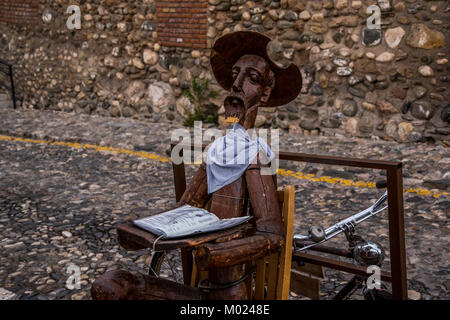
(167, 265)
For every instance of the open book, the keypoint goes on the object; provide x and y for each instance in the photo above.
(186, 220)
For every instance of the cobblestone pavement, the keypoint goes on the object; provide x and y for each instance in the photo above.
(60, 203)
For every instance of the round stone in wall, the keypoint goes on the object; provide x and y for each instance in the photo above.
(305, 15)
(426, 71)
(445, 115)
(47, 16)
(371, 37)
(135, 90)
(349, 108)
(351, 126)
(422, 110)
(391, 128)
(150, 57)
(148, 26)
(365, 124)
(385, 57)
(394, 36)
(344, 71)
(290, 15)
(163, 61)
(308, 124)
(385, 5)
(341, 62)
(160, 95)
(316, 89)
(137, 62)
(257, 18)
(127, 112)
(331, 123)
(421, 36)
(419, 91)
(224, 6)
(290, 35)
(291, 108)
(404, 130)
(268, 23)
(341, 4)
(386, 107)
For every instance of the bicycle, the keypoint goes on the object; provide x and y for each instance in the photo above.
(365, 253)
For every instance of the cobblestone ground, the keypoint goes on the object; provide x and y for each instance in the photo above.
(60, 205)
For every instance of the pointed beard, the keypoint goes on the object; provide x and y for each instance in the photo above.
(234, 108)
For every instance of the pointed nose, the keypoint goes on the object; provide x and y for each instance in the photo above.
(237, 85)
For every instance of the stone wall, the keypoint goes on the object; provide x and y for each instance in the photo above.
(391, 83)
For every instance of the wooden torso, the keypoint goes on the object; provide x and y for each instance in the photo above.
(229, 201)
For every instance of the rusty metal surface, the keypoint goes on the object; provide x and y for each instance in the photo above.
(338, 265)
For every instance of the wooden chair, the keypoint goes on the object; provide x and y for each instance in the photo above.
(273, 273)
(271, 280)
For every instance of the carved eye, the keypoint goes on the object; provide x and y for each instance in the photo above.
(254, 78)
(234, 73)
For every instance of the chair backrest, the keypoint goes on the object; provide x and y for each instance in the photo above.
(272, 280)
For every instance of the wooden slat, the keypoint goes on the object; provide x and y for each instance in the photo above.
(249, 281)
(260, 278)
(312, 269)
(337, 265)
(284, 272)
(186, 262)
(179, 175)
(305, 286)
(272, 276)
(333, 160)
(202, 275)
(194, 274)
(397, 234)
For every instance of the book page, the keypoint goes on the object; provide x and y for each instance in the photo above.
(224, 224)
(215, 226)
(183, 220)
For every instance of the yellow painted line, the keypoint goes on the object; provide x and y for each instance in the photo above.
(75, 145)
(288, 173)
(357, 184)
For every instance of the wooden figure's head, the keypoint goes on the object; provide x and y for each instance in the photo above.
(241, 65)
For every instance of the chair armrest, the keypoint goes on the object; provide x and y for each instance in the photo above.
(132, 238)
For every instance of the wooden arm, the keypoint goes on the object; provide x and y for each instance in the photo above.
(238, 251)
(196, 193)
(264, 200)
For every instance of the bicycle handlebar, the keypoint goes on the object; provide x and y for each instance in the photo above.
(318, 235)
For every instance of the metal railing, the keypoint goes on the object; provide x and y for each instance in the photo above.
(7, 68)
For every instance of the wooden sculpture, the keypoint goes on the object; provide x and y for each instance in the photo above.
(241, 66)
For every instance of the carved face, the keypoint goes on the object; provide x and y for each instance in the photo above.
(251, 88)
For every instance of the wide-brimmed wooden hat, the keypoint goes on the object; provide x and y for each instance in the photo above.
(230, 47)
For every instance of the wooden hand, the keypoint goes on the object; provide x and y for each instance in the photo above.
(196, 193)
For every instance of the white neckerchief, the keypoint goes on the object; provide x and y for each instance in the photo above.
(229, 156)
